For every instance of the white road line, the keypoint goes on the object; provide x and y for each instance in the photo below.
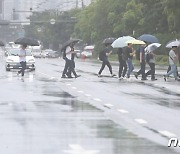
(141, 121)
(97, 99)
(108, 105)
(123, 111)
(80, 91)
(68, 84)
(87, 95)
(51, 78)
(166, 133)
(74, 88)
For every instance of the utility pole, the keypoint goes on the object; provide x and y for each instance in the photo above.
(82, 3)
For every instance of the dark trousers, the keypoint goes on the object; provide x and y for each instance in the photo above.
(23, 67)
(71, 68)
(151, 71)
(103, 66)
(169, 68)
(122, 68)
(142, 70)
(67, 64)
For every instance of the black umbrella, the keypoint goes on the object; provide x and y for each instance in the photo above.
(148, 38)
(109, 40)
(74, 41)
(27, 41)
(1, 43)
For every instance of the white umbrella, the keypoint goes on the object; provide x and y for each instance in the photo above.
(152, 47)
(173, 43)
(121, 41)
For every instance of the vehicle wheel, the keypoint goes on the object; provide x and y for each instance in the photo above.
(8, 69)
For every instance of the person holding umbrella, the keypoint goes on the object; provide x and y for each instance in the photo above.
(150, 59)
(172, 62)
(22, 59)
(103, 56)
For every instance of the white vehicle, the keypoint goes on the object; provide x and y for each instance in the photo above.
(88, 51)
(12, 60)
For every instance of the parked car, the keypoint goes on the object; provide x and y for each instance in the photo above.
(12, 60)
(88, 51)
(52, 53)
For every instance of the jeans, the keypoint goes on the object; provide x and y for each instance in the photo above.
(23, 67)
(103, 66)
(130, 67)
(172, 71)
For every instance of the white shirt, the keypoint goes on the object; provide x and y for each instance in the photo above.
(68, 52)
(22, 55)
(172, 57)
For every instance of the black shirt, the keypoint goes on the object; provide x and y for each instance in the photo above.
(128, 51)
(104, 52)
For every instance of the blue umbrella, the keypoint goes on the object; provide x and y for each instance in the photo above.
(148, 38)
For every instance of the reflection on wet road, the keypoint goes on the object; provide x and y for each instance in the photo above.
(38, 117)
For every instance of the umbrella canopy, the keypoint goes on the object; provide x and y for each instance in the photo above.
(27, 41)
(109, 40)
(134, 41)
(121, 41)
(152, 47)
(74, 41)
(1, 43)
(148, 38)
(173, 43)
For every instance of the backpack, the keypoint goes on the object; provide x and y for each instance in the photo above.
(101, 56)
(148, 57)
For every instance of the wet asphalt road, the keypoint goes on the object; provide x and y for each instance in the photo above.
(44, 114)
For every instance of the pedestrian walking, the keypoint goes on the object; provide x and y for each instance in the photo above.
(22, 59)
(130, 53)
(122, 57)
(142, 60)
(150, 59)
(69, 62)
(103, 56)
(172, 62)
(71, 68)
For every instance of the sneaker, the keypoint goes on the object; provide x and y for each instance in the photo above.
(99, 75)
(165, 79)
(77, 76)
(112, 75)
(153, 79)
(143, 79)
(120, 78)
(136, 75)
(63, 76)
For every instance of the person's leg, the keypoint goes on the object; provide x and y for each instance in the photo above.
(153, 71)
(23, 68)
(169, 68)
(125, 68)
(19, 72)
(143, 67)
(150, 71)
(120, 68)
(173, 69)
(175, 72)
(129, 67)
(102, 68)
(109, 66)
(65, 68)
